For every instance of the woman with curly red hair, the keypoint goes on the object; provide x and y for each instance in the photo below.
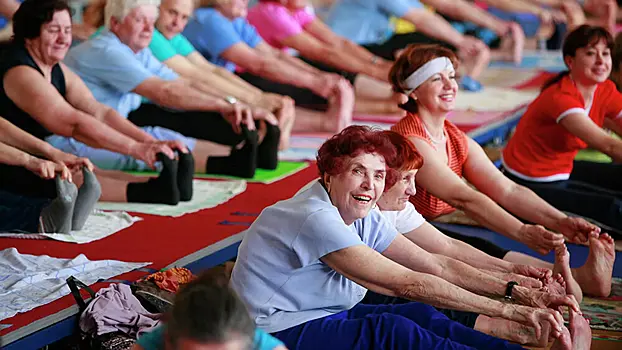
(306, 263)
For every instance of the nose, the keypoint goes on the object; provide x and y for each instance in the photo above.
(367, 182)
(411, 189)
(63, 36)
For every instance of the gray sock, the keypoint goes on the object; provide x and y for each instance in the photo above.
(56, 217)
(88, 195)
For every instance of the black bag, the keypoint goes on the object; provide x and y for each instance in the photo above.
(109, 341)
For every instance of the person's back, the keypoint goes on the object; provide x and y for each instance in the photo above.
(211, 33)
(364, 21)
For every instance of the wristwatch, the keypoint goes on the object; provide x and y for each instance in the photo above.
(231, 100)
(508, 290)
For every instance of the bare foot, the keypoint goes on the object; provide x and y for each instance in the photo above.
(563, 342)
(595, 276)
(518, 43)
(562, 267)
(286, 117)
(580, 332)
(341, 105)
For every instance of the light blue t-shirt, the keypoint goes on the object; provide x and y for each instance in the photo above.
(279, 274)
(154, 340)
(211, 34)
(111, 70)
(367, 21)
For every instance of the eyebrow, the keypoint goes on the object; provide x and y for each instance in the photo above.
(359, 165)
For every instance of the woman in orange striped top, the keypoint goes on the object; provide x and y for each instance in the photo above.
(426, 73)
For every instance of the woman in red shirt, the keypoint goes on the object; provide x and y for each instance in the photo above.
(569, 115)
(427, 74)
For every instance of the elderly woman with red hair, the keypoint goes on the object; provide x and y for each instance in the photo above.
(307, 262)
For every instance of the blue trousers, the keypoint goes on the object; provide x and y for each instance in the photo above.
(20, 213)
(392, 327)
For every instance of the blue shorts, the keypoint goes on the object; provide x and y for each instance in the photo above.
(378, 327)
(111, 160)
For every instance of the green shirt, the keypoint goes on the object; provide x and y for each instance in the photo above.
(163, 48)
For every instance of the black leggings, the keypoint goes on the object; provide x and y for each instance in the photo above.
(594, 191)
(303, 97)
(210, 126)
(397, 42)
(351, 77)
(20, 181)
(476, 242)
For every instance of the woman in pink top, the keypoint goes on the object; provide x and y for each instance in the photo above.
(288, 24)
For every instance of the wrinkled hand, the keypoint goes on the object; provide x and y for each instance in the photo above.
(525, 281)
(73, 162)
(576, 229)
(265, 115)
(534, 317)
(147, 151)
(175, 145)
(237, 114)
(531, 271)
(550, 300)
(46, 169)
(539, 238)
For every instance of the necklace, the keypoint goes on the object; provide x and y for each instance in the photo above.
(434, 140)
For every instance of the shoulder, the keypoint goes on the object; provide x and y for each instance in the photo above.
(209, 16)
(153, 340)
(264, 341)
(608, 89)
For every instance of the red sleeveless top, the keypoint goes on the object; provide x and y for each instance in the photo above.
(457, 150)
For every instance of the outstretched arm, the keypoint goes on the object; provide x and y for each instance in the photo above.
(442, 182)
(517, 199)
(434, 241)
(467, 11)
(370, 269)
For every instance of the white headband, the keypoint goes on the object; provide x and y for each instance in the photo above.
(424, 72)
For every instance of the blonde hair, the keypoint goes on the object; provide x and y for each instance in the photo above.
(121, 8)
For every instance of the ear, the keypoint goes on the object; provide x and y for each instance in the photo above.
(569, 60)
(327, 179)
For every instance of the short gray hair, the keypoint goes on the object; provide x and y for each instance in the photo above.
(121, 8)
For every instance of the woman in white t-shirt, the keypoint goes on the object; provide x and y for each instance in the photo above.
(396, 207)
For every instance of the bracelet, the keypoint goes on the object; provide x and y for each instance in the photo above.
(509, 289)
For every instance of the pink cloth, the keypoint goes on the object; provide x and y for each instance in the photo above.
(274, 22)
(115, 308)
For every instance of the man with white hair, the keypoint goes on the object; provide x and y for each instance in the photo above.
(121, 72)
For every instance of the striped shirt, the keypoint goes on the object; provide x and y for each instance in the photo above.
(457, 149)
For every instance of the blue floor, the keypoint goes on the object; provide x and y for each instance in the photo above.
(578, 254)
